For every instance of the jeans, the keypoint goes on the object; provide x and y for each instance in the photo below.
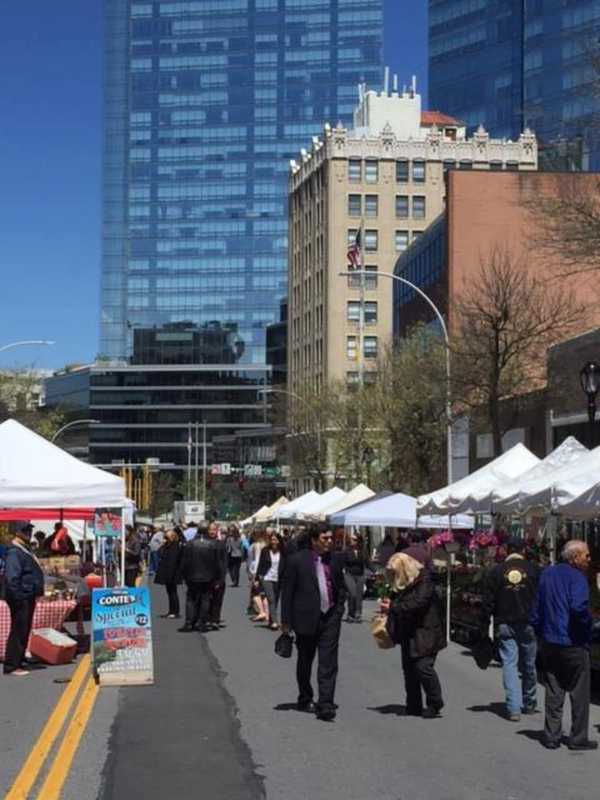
(154, 559)
(173, 596)
(518, 647)
(355, 585)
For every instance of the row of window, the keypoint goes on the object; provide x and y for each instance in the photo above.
(370, 207)
(370, 347)
(370, 311)
(371, 238)
(368, 170)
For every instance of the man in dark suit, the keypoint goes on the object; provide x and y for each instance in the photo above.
(217, 590)
(200, 568)
(312, 605)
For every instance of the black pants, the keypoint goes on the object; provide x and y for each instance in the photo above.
(234, 569)
(173, 596)
(217, 593)
(566, 669)
(21, 617)
(420, 676)
(131, 574)
(197, 603)
(326, 641)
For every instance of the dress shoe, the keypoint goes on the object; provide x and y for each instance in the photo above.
(550, 745)
(430, 712)
(185, 629)
(307, 708)
(326, 714)
(589, 744)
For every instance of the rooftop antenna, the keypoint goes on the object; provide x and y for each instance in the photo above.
(395, 84)
(414, 85)
(386, 83)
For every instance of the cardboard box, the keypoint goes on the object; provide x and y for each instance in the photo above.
(52, 646)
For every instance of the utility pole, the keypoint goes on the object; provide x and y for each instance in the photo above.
(197, 432)
(204, 466)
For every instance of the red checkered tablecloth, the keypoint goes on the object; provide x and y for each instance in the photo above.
(48, 614)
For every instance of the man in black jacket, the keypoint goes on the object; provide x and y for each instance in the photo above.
(217, 590)
(509, 595)
(200, 568)
(24, 584)
(312, 605)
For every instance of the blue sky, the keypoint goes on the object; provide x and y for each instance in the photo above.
(50, 157)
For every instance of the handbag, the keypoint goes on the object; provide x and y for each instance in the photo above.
(483, 651)
(284, 645)
(379, 630)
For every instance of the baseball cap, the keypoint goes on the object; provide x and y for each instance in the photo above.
(23, 526)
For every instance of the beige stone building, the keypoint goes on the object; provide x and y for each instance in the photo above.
(386, 178)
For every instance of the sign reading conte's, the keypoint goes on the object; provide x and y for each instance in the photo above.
(122, 636)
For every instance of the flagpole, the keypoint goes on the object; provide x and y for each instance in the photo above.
(196, 431)
(188, 492)
(361, 320)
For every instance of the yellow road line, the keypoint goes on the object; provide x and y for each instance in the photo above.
(35, 760)
(52, 788)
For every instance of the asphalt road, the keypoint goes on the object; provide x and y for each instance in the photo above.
(220, 723)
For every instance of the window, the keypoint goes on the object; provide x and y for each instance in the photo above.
(370, 312)
(449, 163)
(402, 171)
(370, 279)
(418, 171)
(371, 241)
(416, 235)
(354, 205)
(402, 206)
(419, 207)
(371, 171)
(371, 205)
(353, 311)
(370, 346)
(354, 170)
(352, 233)
(352, 378)
(401, 241)
(351, 344)
(496, 166)
(466, 165)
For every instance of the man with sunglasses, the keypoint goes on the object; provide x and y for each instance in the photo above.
(562, 620)
(312, 605)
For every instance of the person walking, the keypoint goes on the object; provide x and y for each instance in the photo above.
(561, 618)
(415, 622)
(217, 591)
(256, 603)
(270, 573)
(235, 553)
(24, 583)
(200, 568)
(156, 542)
(133, 556)
(312, 605)
(169, 571)
(354, 575)
(508, 597)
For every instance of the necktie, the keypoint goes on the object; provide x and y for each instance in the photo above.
(322, 581)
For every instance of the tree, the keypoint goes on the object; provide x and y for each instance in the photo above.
(19, 400)
(505, 321)
(162, 494)
(407, 409)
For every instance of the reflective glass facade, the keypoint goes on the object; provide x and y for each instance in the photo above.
(206, 101)
(510, 64)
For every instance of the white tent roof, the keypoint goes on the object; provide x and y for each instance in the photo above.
(316, 509)
(288, 511)
(34, 473)
(356, 495)
(268, 513)
(513, 495)
(399, 511)
(469, 495)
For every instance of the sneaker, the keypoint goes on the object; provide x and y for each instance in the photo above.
(513, 717)
(589, 744)
(530, 710)
(549, 745)
(185, 629)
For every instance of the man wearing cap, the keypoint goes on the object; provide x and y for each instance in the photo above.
(24, 582)
(509, 595)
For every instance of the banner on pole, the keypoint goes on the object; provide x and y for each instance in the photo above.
(122, 636)
(107, 522)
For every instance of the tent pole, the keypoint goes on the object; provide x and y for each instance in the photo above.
(122, 548)
(450, 557)
(84, 545)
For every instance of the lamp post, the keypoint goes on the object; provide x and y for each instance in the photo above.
(368, 458)
(271, 390)
(72, 424)
(590, 383)
(25, 342)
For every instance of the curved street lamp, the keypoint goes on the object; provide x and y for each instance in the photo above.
(590, 383)
(72, 424)
(26, 342)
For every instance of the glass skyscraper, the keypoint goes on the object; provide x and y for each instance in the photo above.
(206, 101)
(511, 64)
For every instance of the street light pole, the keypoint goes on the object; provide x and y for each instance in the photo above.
(590, 383)
(26, 342)
(72, 424)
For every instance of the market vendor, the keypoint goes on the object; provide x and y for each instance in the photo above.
(24, 584)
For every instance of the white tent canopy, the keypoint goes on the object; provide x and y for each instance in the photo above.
(469, 495)
(288, 511)
(513, 495)
(399, 511)
(316, 509)
(34, 473)
(359, 494)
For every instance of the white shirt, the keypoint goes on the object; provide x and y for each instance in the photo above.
(190, 533)
(273, 573)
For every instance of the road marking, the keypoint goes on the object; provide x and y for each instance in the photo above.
(52, 788)
(35, 760)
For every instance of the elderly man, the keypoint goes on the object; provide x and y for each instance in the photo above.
(562, 620)
(24, 584)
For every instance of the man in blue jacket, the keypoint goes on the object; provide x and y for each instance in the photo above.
(24, 581)
(562, 620)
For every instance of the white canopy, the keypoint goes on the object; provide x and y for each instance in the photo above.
(317, 508)
(288, 511)
(399, 511)
(513, 495)
(469, 495)
(34, 473)
(359, 494)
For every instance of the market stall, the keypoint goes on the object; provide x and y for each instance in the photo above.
(359, 494)
(287, 512)
(397, 511)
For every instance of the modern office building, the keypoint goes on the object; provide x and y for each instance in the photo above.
(206, 101)
(511, 65)
(384, 177)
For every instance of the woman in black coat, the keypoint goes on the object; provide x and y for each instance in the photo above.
(415, 622)
(168, 573)
(270, 572)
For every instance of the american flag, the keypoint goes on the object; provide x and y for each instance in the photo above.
(355, 253)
